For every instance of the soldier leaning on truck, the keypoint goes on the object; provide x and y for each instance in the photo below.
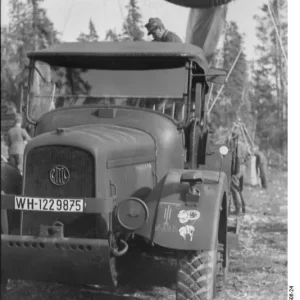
(237, 170)
(157, 29)
(16, 140)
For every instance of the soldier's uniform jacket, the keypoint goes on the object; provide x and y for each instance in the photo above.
(170, 37)
(16, 137)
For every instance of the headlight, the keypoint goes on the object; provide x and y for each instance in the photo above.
(132, 213)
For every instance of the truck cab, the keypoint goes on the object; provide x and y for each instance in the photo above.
(119, 157)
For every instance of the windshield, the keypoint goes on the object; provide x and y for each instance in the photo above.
(55, 87)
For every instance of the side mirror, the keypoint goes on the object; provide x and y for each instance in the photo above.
(23, 95)
(23, 88)
(216, 75)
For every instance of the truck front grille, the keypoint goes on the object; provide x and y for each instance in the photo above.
(38, 165)
(41, 160)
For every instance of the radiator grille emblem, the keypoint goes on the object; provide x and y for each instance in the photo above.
(59, 175)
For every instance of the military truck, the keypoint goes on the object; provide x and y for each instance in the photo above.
(120, 164)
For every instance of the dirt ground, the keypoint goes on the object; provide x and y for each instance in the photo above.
(258, 267)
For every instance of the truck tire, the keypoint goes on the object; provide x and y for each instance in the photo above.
(222, 271)
(196, 276)
(3, 287)
(11, 183)
(3, 280)
(200, 275)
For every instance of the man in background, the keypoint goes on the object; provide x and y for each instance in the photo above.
(17, 137)
(4, 148)
(237, 182)
(240, 155)
(157, 29)
(261, 167)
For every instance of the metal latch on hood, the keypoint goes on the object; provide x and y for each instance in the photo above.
(192, 197)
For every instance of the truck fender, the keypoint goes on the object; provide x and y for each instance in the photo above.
(11, 183)
(176, 224)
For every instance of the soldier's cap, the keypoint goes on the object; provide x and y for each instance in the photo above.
(153, 23)
(18, 118)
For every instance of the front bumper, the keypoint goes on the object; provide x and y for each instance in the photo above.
(64, 260)
(55, 259)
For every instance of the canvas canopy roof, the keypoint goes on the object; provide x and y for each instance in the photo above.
(128, 50)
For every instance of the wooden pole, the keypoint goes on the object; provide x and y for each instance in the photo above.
(222, 87)
(255, 124)
(248, 135)
(217, 65)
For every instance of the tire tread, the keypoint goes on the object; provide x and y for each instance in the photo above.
(195, 276)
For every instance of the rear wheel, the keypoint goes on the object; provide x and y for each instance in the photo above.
(222, 269)
(200, 275)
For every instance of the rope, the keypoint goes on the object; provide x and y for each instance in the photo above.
(277, 33)
(243, 133)
(229, 73)
(125, 23)
(231, 135)
(69, 13)
(217, 65)
(248, 135)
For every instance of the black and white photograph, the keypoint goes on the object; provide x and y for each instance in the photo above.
(144, 150)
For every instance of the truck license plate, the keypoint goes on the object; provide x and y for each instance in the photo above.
(48, 204)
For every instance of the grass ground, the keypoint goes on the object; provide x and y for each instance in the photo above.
(258, 268)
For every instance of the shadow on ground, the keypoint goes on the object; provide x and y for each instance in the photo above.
(158, 273)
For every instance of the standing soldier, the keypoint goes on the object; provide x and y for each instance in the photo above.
(241, 154)
(17, 136)
(156, 27)
(261, 167)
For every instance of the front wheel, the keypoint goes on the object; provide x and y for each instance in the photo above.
(200, 275)
(196, 276)
(4, 282)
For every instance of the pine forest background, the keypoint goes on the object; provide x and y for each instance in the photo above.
(256, 92)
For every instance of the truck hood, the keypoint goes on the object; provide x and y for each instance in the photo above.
(95, 155)
(115, 144)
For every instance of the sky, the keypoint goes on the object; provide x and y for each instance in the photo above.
(71, 17)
